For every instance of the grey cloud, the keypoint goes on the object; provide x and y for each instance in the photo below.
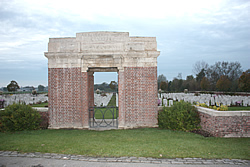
(212, 35)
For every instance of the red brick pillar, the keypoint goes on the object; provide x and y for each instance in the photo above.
(121, 99)
(138, 97)
(67, 88)
(84, 99)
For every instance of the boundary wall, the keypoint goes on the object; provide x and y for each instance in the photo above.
(225, 123)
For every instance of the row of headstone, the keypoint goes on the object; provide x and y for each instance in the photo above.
(100, 100)
(165, 102)
(208, 99)
(23, 98)
(33, 99)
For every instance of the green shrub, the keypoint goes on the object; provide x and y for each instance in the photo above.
(18, 117)
(222, 108)
(202, 105)
(181, 116)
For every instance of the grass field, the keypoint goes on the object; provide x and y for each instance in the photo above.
(112, 101)
(40, 105)
(107, 112)
(146, 142)
(238, 108)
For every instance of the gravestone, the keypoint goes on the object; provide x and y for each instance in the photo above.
(171, 102)
(165, 102)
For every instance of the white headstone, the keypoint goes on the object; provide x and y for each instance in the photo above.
(171, 102)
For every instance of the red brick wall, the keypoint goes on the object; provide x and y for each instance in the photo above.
(68, 91)
(84, 99)
(138, 97)
(229, 126)
(121, 98)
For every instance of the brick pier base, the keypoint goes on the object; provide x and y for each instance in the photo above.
(71, 92)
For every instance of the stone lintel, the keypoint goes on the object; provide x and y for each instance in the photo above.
(59, 55)
(103, 69)
(102, 60)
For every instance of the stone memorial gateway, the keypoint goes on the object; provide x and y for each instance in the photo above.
(72, 62)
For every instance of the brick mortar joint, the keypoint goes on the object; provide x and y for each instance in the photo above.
(124, 159)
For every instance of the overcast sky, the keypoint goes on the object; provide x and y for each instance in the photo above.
(187, 31)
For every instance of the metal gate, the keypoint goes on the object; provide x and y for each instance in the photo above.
(106, 117)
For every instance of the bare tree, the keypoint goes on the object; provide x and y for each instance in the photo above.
(199, 65)
(231, 70)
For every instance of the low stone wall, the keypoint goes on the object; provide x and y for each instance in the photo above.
(44, 116)
(225, 123)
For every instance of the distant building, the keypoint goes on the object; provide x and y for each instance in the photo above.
(4, 89)
(26, 89)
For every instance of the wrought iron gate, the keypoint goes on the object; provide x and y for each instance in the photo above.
(103, 117)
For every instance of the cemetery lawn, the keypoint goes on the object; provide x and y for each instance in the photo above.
(40, 105)
(146, 142)
(238, 108)
(108, 113)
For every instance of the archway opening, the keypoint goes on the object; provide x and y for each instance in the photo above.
(105, 89)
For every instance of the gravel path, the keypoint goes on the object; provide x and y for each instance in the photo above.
(5, 159)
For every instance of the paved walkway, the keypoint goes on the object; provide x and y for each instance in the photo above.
(9, 158)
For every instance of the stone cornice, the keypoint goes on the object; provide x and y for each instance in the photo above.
(102, 49)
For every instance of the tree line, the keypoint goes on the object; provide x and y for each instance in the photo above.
(222, 76)
(13, 87)
(105, 87)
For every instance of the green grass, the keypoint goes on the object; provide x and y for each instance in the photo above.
(117, 143)
(108, 113)
(112, 101)
(40, 105)
(238, 108)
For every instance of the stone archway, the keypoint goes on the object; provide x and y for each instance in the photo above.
(72, 61)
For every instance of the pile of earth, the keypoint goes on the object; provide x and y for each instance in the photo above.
(202, 132)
